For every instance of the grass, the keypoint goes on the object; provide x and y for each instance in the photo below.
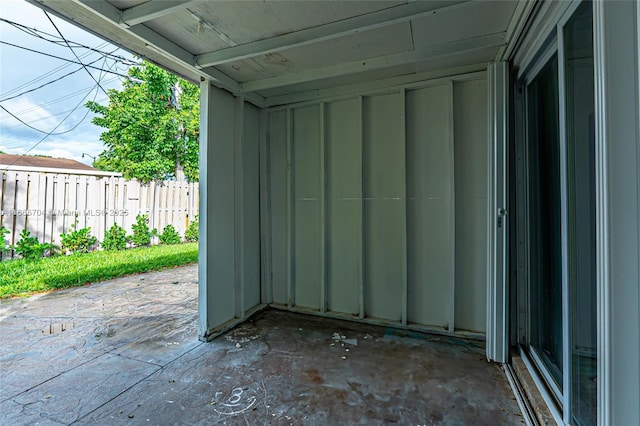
(22, 277)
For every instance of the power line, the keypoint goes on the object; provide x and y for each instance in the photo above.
(56, 100)
(50, 115)
(27, 124)
(63, 120)
(46, 84)
(36, 33)
(74, 52)
(47, 74)
(61, 58)
(76, 107)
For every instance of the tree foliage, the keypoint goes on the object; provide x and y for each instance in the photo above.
(152, 133)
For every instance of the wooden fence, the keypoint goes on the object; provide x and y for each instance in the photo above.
(48, 204)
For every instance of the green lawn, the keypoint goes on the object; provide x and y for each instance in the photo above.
(21, 277)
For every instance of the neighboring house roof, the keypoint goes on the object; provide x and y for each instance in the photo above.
(26, 163)
(46, 162)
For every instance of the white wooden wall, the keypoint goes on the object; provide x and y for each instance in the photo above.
(378, 206)
(47, 203)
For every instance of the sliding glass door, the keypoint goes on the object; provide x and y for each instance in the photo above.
(581, 208)
(545, 266)
(558, 126)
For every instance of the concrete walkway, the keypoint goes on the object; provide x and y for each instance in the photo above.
(126, 352)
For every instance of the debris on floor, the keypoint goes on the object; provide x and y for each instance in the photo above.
(280, 376)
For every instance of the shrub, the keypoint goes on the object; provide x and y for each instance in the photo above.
(191, 234)
(169, 235)
(141, 234)
(78, 240)
(29, 248)
(4, 247)
(115, 238)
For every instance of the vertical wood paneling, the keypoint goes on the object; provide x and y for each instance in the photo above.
(429, 212)
(251, 201)
(36, 221)
(344, 205)
(8, 205)
(290, 212)
(58, 199)
(471, 180)
(322, 122)
(238, 201)
(265, 211)
(22, 184)
(47, 204)
(81, 194)
(307, 178)
(278, 157)
(384, 170)
(384, 205)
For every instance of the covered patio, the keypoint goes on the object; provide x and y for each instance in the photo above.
(126, 351)
(466, 169)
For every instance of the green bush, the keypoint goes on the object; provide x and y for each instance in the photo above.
(4, 247)
(29, 248)
(141, 234)
(191, 234)
(78, 240)
(115, 238)
(169, 235)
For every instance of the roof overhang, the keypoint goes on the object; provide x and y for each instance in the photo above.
(268, 50)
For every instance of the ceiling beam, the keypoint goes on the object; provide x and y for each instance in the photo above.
(151, 10)
(164, 47)
(465, 72)
(432, 52)
(329, 31)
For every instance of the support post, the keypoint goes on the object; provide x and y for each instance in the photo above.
(216, 266)
(497, 333)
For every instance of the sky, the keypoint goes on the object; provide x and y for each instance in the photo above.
(47, 108)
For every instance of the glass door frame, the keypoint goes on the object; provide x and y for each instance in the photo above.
(558, 399)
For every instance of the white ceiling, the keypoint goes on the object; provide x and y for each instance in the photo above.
(266, 49)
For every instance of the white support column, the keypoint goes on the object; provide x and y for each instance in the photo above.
(617, 132)
(497, 332)
(216, 266)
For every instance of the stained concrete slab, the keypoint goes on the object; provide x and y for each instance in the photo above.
(142, 364)
(148, 317)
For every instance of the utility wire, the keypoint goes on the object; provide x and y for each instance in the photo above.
(62, 121)
(37, 33)
(56, 100)
(9, 126)
(62, 59)
(74, 52)
(47, 74)
(47, 83)
(30, 126)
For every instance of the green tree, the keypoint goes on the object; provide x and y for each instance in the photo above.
(152, 126)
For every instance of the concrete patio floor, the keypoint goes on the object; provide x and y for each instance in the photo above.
(126, 352)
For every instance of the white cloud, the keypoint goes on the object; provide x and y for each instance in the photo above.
(37, 108)
(28, 111)
(71, 148)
